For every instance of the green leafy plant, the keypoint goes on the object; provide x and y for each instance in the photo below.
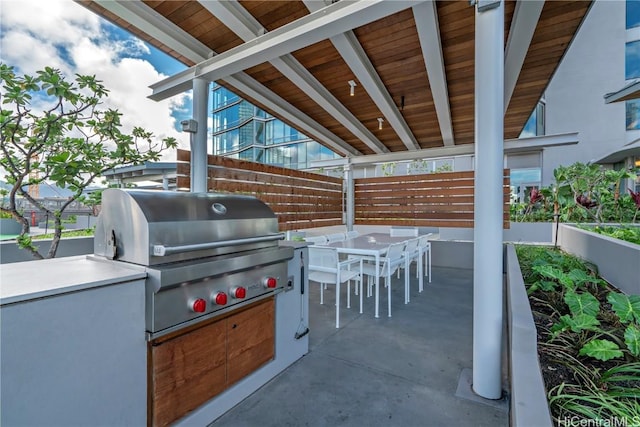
(627, 233)
(71, 142)
(581, 193)
(588, 332)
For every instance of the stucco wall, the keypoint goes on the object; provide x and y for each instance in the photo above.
(593, 66)
(9, 251)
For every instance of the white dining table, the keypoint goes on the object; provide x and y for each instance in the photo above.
(373, 245)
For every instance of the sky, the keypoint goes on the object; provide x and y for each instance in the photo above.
(64, 35)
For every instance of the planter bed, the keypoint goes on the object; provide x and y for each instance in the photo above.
(588, 340)
(616, 259)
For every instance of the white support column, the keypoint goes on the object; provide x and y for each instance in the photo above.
(488, 205)
(350, 208)
(199, 138)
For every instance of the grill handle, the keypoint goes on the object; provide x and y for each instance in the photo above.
(161, 250)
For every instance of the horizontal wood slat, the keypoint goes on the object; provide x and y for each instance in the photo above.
(306, 200)
(433, 200)
(299, 199)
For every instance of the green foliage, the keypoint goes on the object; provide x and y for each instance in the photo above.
(587, 328)
(627, 233)
(581, 193)
(70, 141)
(582, 303)
(632, 339)
(601, 349)
(627, 307)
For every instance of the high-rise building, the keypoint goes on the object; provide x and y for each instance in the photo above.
(244, 131)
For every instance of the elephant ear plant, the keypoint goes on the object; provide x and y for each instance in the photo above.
(588, 338)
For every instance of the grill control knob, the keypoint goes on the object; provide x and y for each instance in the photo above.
(199, 306)
(270, 282)
(220, 298)
(239, 292)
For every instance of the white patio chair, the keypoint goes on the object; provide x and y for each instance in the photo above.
(316, 240)
(325, 268)
(403, 232)
(412, 253)
(392, 260)
(336, 237)
(424, 246)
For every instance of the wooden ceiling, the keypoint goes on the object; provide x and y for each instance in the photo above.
(393, 48)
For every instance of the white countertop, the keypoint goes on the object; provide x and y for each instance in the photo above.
(24, 281)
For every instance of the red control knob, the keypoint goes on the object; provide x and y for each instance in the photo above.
(199, 306)
(220, 298)
(239, 292)
(270, 282)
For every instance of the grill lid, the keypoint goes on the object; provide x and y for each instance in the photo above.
(149, 227)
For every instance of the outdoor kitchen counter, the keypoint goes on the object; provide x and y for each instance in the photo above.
(25, 281)
(73, 344)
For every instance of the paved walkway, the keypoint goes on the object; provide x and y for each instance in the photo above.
(398, 371)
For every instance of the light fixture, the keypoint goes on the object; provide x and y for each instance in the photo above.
(380, 120)
(352, 85)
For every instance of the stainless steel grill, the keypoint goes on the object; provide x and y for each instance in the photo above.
(204, 254)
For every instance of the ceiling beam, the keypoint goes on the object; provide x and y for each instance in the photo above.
(511, 146)
(157, 26)
(331, 20)
(426, 18)
(523, 26)
(146, 19)
(241, 22)
(356, 58)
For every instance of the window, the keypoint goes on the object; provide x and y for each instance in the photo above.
(522, 181)
(535, 123)
(633, 114)
(633, 13)
(222, 97)
(632, 60)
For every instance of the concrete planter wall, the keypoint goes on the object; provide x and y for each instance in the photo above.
(539, 232)
(10, 226)
(528, 404)
(618, 261)
(10, 252)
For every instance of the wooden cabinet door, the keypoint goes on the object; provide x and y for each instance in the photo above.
(251, 340)
(186, 372)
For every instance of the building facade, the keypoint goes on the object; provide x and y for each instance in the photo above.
(603, 58)
(244, 131)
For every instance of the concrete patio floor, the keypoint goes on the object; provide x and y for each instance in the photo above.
(398, 371)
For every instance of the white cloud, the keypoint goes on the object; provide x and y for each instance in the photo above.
(65, 35)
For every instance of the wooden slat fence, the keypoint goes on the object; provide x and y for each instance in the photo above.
(427, 200)
(299, 199)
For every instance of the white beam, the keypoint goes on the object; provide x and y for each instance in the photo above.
(157, 26)
(198, 140)
(426, 18)
(238, 20)
(511, 146)
(331, 20)
(523, 25)
(171, 35)
(355, 57)
(488, 200)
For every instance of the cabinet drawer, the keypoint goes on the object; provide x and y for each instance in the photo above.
(250, 340)
(187, 371)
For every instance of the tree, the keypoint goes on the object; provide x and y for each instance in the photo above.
(70, 141)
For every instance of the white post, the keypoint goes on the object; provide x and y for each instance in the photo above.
(350, 208)
(488, 194)
(199, 138)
